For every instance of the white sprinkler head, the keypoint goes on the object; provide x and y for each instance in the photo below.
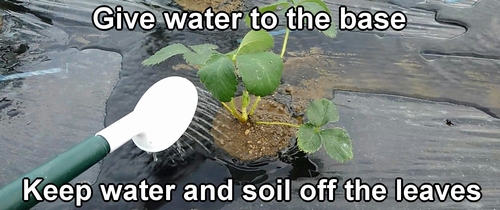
(159, 119)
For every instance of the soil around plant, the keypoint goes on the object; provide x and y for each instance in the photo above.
(249, 141)
(217, 5)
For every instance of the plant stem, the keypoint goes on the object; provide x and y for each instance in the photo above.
(231, 111)
(244, 114)
(245, 100)
(285, 41)
(235, 111)
(254, 106)
(278, 123)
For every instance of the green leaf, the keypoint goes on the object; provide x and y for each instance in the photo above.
(165, 53)
(201, 53)
(268, 8)
(218, 76)
(255, 41)
(197, 59)
(203, 48)
(315, 6)
(308, 139)
(337, 144)
(331, 32)
(261, 72)
(322, 111)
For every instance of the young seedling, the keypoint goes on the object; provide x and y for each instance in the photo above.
(260, 70)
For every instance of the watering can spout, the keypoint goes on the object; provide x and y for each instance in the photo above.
(159, 119)
(121, 131)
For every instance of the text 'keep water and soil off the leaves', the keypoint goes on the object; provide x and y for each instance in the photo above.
(355, 190)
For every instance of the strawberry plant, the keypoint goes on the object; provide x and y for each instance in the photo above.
(260, 71)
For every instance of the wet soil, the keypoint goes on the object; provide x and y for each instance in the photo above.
(249, 141)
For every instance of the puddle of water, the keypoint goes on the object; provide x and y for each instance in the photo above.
(420, 64)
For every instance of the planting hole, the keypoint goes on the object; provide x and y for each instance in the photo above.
(249, 141)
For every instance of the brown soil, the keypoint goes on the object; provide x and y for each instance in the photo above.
(309, 78)
(249, 141)
(217, 5)
(182, 66)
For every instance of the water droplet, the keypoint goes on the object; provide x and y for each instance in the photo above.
(154, 157)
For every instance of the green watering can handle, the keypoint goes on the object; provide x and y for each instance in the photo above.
(58, 171)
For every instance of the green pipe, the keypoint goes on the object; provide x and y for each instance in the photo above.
(61, 170)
